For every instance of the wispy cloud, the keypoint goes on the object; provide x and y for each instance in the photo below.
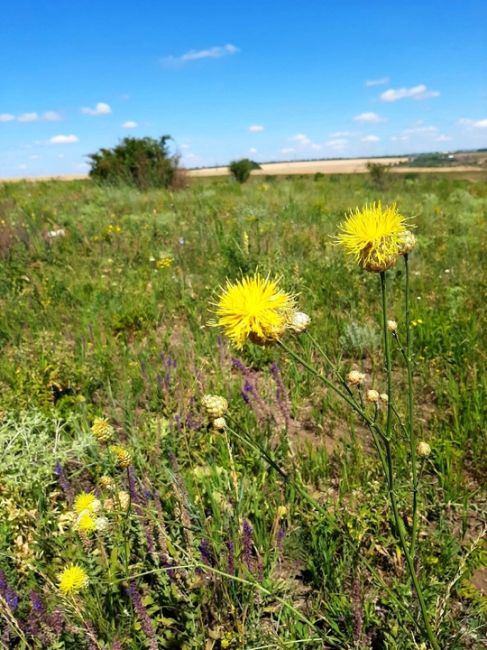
(442, 138)
(340, 134)
(415, 92)
(256, 128)
(216, 52)
(300, 138)
(252, 150)
(424, 130)
(101, 108)
(337, 144)
(47, 116)
(28, 117)
(371, 138)
(377, 82)
(476, 124)
(63, 139)
(368, 117)
(130, 124)
(288, 150)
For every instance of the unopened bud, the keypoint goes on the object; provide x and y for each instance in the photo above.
(423, 449)
(384, 397)
(392, 326)
(219, 424)
(299, 322)
(214, 405)
(372, 396)
(407, 242)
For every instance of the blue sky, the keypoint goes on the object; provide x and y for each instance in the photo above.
(270, 80)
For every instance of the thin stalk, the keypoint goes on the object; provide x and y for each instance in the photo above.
(390, 475)
(410, 415)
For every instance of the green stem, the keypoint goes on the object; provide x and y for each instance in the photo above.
(390, 475)
(410, 417)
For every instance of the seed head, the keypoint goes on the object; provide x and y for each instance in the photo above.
(423, 449)
(372, 396)
(391, 326)
(355, 378)
(215, 405)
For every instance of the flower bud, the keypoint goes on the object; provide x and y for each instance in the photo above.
(219, 424)
(355, 377)
(102, 429)
(406, 243)
(423, 449)
(215, 406)
(391, 326)
(299, 322)
(384, 397)
(372, 396)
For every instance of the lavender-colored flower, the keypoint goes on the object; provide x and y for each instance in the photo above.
(281, 534)
(205, 551)
(9, 595)
(281, 394)
(247, 544)
(230, 557)
(64, 483)
(143, 615)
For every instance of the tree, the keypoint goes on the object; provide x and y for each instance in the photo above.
(143, 162)
(240, 169)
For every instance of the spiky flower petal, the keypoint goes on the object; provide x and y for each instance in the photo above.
(254, 308)
(86, 523)
(72, 580)
(373, 235)
(86, 502)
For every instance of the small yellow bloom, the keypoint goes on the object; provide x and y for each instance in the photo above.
(164, 261)
(373, 235)
(86, 523)
(102, 429)
(86, 502)
(254, 308)
(72, 580)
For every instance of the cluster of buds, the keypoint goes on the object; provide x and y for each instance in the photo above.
(299, 322)
(102, 429)
(374, 397)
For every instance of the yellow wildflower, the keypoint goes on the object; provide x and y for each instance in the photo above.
(85, 501)
(254, 308)
(102, 429)
(373, 235)
(72, 580)
(164, 261)
(124, 459)
(86, 523)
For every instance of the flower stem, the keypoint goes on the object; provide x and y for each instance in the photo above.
(410, 418)
(399, 525)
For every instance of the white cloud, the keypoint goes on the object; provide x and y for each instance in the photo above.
(337, 143)
(256, 128)
(476, 124)
(415, 92)
(252, 150)
(443, 138)
(340, 134)
(130, 124)
(368, 117)
(6, 117)
(288, 150)
(52, 116)
(28, 117)
(63, 139)
(185, 146)
(401, 138)
(301, 139)
(377, 82)
(315, 146)
(370, 138)
(420, 129)
(197, 55)
(101, 108)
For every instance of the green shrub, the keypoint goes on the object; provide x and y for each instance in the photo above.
(240, 169)
(142, 162)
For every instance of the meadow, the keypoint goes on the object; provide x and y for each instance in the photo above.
(274, 531)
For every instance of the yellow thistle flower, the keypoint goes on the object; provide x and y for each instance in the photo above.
(85, 501)
(124, 459)
(86, 523)
(102, 429)
(72, 580)
(254, 308)
(373, 235)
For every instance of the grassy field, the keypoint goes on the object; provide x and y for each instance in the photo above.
(275, 532)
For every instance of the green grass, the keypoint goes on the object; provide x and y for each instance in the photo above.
(90, 324)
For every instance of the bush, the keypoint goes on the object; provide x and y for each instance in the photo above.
(240, 169)
(142, 162)
(379, 174)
